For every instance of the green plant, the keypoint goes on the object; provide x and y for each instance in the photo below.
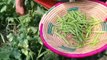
(19, 35)
(22, 41)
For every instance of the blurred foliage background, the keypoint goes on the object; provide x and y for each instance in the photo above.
(19, 35)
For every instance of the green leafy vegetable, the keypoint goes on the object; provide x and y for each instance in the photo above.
(77, 24)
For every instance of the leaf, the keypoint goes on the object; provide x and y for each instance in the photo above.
(23, 44)
(28, 54)
(33, 29)
(16, 54)
(31, 54)
(1, 3)
(10, 37)
(24, 51)
(3, 8)
(39, 10)
(2, 37)
(43, 53)
(4, 55)
(40, 41)
(32, 4)
(10, 20)
(5, 52)
(9, 1)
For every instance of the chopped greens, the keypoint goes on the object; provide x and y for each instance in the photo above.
(77, 24)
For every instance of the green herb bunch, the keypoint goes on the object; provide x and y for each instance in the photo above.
(77, 24)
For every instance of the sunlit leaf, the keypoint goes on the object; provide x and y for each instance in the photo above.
(3, 8)
(24, 51)
(10, 37)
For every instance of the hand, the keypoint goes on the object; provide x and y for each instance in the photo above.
(20, 10)
(20, 7)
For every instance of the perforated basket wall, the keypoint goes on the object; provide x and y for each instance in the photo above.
(54, 43)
